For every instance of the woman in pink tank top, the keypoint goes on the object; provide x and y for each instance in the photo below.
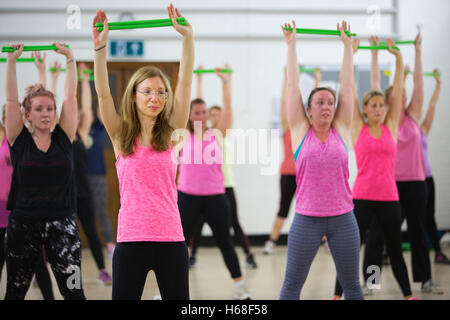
(409, 175)
(288, 184)
(201, 187)
(323, 197)
(375, 195)
(149, 235)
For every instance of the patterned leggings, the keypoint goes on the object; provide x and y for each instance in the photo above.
(24, 241)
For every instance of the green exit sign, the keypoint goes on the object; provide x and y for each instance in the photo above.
(126, 48)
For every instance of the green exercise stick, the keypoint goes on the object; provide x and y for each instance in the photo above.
(383, 43)
(198, 71)
(137, 22)
(426, 74)
(377, 48)
(140, 26)
(308, 70)
(91, 78)
(86, 71)
(32, 48)
(21, 60)
(320, 31)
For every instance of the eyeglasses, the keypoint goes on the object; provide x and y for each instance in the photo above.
(158, 94)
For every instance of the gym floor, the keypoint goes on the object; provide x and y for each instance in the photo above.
(209, 279)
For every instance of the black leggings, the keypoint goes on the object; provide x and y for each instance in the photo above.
(239, 234)
(387, 215)
(215, 210)
(288, 185)
(413, 196)
(133, 260)
(24, 241)
(85, 211)
(42, 276)
(432, 230)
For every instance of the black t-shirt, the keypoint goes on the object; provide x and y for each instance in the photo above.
(80, 158)
(42, 186)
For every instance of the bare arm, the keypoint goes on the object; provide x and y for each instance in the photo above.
(375, 78)
(54, 75)
(358, 120)
(428, 121)
(344, 113)
(13, 116)
(86, 116)
(393, 116)
(295, 113)
(317, 77)
(182, 95)
(226, 118)
(108, 112)
(68, 119)
(199, 77)
(415, 106)
(284, 122)
(39, 62)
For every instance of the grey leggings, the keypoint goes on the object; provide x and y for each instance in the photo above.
(99, 189)
(304, 239)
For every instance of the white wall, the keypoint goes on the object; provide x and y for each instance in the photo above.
(247, 35)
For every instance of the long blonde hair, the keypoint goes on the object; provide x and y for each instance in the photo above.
(130, 127)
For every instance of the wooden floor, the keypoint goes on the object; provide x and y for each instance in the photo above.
(209, 279)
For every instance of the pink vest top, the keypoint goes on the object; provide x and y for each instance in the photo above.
(288, 165)
(322, 176)
(5, 181)
(148, 196)
(409, 163)
(375, 159)
(200, 171)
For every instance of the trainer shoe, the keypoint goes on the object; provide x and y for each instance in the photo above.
(104, 277)
(366, 291)
(441, 259)
(269, 247)
(192, 262)
(430, 287)
(241, 292)
(251, 264)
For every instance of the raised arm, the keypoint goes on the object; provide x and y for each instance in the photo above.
(317, 77)
(110, 118)
(68, 119)
(428, 121)
(284, 122)
(13, 116)
(39, 62)
(226, 118)
(54, 75)
(182, 95)
(416, 104)
(358, 120)
(295, 112)
(344, 113)
(199, 77)
(86, 115)
(395, 110)
(375, 78)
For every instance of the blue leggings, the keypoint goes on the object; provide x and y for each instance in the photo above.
(304, 240)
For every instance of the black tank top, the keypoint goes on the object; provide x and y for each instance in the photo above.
(42, 186)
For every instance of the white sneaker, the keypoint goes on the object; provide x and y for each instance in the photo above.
(430, 287)
(241, 292)
(366, 291)
(269, 247)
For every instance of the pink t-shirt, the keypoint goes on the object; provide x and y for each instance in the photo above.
(5, 181)
(409, 163)
(288, 165)
(375, 159)
(148, 196)
(200, 171)
(322, 177)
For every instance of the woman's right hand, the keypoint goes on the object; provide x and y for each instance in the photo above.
(289, 36)
(16, 53)
(436, 73)
(57, 66)
(100, 38)
(390, 43)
